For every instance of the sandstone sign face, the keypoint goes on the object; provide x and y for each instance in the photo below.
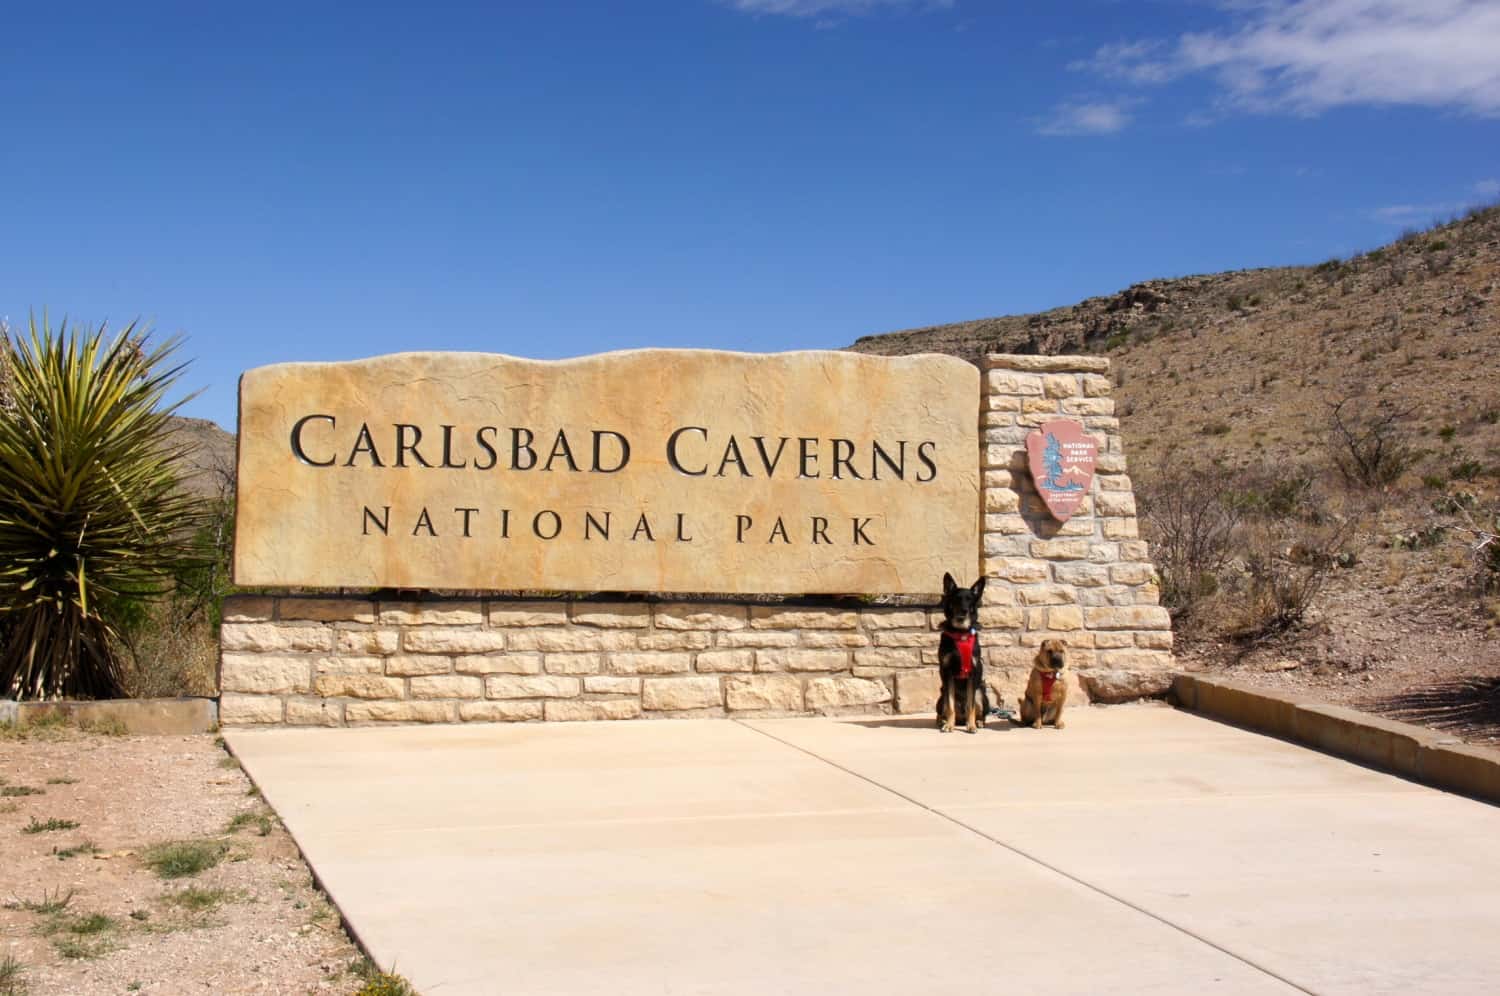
(1061, 458)
(648, 470)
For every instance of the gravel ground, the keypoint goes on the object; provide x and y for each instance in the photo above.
(252, 923)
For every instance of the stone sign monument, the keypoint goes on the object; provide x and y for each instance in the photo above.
(649, 471)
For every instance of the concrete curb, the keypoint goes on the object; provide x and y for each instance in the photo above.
(1415, 752)
(135, 716)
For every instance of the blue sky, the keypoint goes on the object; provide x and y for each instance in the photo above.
(319, 181)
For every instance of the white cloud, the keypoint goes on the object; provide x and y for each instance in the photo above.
(831, 8)
(1487, 188)
(1307, 56)
(1086, 118)
(1407, 213)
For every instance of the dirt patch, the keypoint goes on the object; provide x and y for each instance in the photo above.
(83, 912)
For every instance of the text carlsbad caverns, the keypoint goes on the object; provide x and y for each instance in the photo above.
(322, 440)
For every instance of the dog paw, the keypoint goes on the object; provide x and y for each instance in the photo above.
(1037, 725)
(1059, 724)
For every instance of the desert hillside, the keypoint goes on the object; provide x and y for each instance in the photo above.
(1238, 374)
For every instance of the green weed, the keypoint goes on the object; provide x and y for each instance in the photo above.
(184, 858)
(48, 825)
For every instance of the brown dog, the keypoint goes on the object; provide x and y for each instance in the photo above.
(1045, 691)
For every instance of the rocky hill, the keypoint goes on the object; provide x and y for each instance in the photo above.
(1244, 370)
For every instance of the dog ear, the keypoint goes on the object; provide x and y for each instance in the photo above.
(948, 584)
(978, 588)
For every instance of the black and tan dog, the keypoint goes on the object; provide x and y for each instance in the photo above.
(960, 664)
(1045, 691)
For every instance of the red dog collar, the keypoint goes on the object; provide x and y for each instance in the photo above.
(965, 643)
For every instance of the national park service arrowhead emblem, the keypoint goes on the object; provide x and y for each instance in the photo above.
(1062, 465)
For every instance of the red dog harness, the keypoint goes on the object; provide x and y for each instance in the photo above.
(1047, 681)
(965, 644)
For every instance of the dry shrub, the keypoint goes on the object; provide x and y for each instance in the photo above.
(171, 653)
(1368, 449)
(1190, 513)
(1287, 562)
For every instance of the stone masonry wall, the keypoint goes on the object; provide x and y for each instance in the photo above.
(330, 662)
(300, 660)
(1088, 581)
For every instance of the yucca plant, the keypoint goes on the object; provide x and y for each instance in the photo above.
(92, 521)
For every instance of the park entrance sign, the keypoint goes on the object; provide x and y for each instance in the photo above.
(649, 471)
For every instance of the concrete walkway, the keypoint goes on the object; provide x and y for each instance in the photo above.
(1139, 850)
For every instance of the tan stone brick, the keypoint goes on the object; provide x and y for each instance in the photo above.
(1136, 660)
(348, 664)
(1135, 550)
(452, 641)
(890, 658)
(688, 615)
(248, 609)
(399, 712)
(1046, 364)
(1002, 547)
(265, 675)
(1068, 549)
(499, 712)
(675, 639)
(1065, 618)
(652, 663)
(1001, 500)
(1081, 575)
(608, 685)
(998, 453)
(314, 712)
(819, 640)
(1036, 619)
(1131, 573)
(265, 638)
(776, 617)
(1095, 386)
(529, 686)
(1001, 403)
(883, 619)
(1160, 639)
(999, 616)
(916, 691)
(367, 641)
(1089, 406)
(920, 638)
(1127, 617)
(1115, 503)
(836, 693)
(622, 615)
(1002, 382)
(673, 694)
(359, 686)
(246, 710)
(1113, 482)
(1104, 553)
(1018, 569)
(717, 661)
(528, 614)
(567, 640)
(507, 663)
(1109, 463)
(998, 480)
(328, 610)
(1039, 406)
(764, 692)
(431, 613)
(1046, 594)
(1113, 640)
(424, 664)
(1061, 386)
(1077, 642)
(448, 686)
(1119, 529)
(1005, 524)
(573, 663)
(759, 638)
(574, 711)
(802, 660)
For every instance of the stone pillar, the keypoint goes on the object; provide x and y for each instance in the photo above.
(1088, 581)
